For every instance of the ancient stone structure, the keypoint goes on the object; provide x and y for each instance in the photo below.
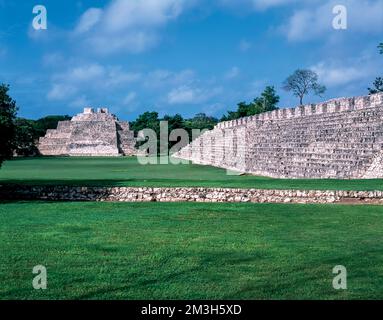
(341, 138)
(89, 134)
(209, 195)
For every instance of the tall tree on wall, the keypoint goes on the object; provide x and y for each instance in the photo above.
(266, 102)
(378, 83)
(8, 112)
(377, 86)
(303, 82)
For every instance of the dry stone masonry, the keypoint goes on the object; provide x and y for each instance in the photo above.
(89, 134)
(206, 195)
(340, 138)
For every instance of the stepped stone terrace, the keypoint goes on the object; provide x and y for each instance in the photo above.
(91, 133)
(340, 138)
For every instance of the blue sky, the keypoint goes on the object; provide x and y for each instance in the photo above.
(181, 56)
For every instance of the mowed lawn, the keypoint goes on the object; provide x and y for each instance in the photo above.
(129, 172)
(190, 250)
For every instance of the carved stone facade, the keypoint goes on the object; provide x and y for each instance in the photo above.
(89, 134)
(341, 138)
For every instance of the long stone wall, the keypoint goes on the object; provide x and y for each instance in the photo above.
(209, 195)
(340, 138)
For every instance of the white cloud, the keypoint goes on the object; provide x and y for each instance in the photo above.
(191, 95)
(61, 91)
(127, 26)
(232, 73)
(98, 74)
(260, 5)
(182, 94)
(116, 76)
(336, 75)
(91, 77)
(88, 20)
(341, 73)
(363, 16)
(265, 4)
(122, 15)
(85, 73)
(163, 78)
(131, 42)
(51, 34)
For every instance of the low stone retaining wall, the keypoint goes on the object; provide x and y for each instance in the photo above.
(129, 194)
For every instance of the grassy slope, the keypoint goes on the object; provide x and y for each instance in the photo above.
(119, 250)
(128, 172)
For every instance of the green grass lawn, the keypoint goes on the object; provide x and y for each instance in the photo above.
(190, 250)
(128, 172)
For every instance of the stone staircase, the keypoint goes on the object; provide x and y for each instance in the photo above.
(341, 138)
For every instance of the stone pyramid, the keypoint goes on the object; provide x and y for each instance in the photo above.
(89, 134)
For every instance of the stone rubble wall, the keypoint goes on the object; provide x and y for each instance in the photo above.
(89, 134)
(209, 195)
(341, 138)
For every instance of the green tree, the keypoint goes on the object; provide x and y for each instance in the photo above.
(8, 110)
(201, 121)
(41, 125)
(378, 83)
(25, 142)
(302, 82)
(147, 120)
(378, 86)
(150, 120)
(269, 99)
(29, 131)
(231, 115)
(174, 122)
(266, 102)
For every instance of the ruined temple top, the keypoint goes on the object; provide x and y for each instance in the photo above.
(89, 114)
(90, 110)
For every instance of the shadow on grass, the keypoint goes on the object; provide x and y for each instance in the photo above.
(157, 276)
(75, 183)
